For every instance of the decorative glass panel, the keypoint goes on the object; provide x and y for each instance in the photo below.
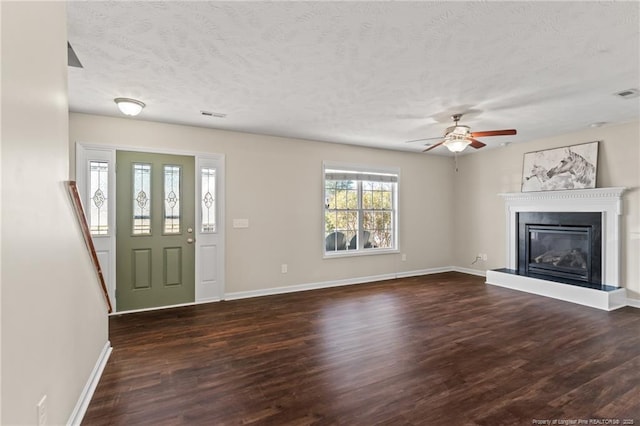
(141, 199)
(208, 199)
(172, 199)
(99, 191)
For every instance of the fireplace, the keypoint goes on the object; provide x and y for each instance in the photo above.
(561, 252)
(545, 247)
(565, 246)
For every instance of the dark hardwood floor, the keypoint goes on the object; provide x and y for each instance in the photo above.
(441, 349)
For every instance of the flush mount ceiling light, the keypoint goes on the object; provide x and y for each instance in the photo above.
(129, 106)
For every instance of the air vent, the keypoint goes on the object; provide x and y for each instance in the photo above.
(213, 114)
(629, 93)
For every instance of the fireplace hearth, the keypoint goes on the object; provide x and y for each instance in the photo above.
(561, 245)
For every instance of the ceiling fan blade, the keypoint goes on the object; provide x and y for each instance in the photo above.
(435, 145)
(493, 133)
(476, 143)
(424, 139)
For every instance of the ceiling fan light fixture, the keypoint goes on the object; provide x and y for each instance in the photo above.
(129, 106)
(456, 144)
(458, 136)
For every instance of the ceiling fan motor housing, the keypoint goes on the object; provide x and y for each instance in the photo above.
(458, 130)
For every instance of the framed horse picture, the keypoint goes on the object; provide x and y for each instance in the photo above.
(569, 167)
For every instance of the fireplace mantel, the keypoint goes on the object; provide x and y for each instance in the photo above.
(604, 197)
(607, 201)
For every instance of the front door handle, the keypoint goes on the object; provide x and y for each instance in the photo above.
(190, 240)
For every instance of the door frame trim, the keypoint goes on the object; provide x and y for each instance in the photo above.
(82, 156)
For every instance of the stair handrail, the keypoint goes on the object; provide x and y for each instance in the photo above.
(86, 233)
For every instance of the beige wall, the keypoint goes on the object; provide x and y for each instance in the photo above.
(480, 220)
(260, 187)
(276, 183)
(54, 320)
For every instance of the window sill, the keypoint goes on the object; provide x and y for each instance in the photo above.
(358, 253)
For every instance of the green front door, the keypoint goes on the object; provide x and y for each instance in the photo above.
(155, 223)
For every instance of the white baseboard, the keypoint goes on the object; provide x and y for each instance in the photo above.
(89, 388)
(207, 300)
(469, 271)
(634, 303)
(328, 284)
(157, 308)
(419, 272)
(305, 287)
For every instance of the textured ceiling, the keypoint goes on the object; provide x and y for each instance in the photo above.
(365, 73)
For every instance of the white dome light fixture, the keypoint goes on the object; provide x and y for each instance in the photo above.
(456, 144)
(458, 139)
(129, 106)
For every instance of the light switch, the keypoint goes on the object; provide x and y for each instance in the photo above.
(240, 223)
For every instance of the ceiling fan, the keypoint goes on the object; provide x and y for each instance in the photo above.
(458, 137)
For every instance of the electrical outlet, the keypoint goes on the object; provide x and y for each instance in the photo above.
(284, 268)
(481, 256)
(404, 257)
(42, 411)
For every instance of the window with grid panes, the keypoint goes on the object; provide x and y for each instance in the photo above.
(360, 210)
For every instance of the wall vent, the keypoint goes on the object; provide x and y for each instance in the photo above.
(629, 93)
(213, 114)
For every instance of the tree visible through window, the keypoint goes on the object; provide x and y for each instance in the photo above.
(360, 209)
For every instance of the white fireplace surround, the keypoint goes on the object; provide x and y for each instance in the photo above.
(607, 201)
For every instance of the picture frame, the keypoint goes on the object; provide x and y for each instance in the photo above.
(557, 169)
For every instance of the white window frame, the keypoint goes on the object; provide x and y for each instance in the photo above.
(210, 276)
(105, 244)
(362, 168)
